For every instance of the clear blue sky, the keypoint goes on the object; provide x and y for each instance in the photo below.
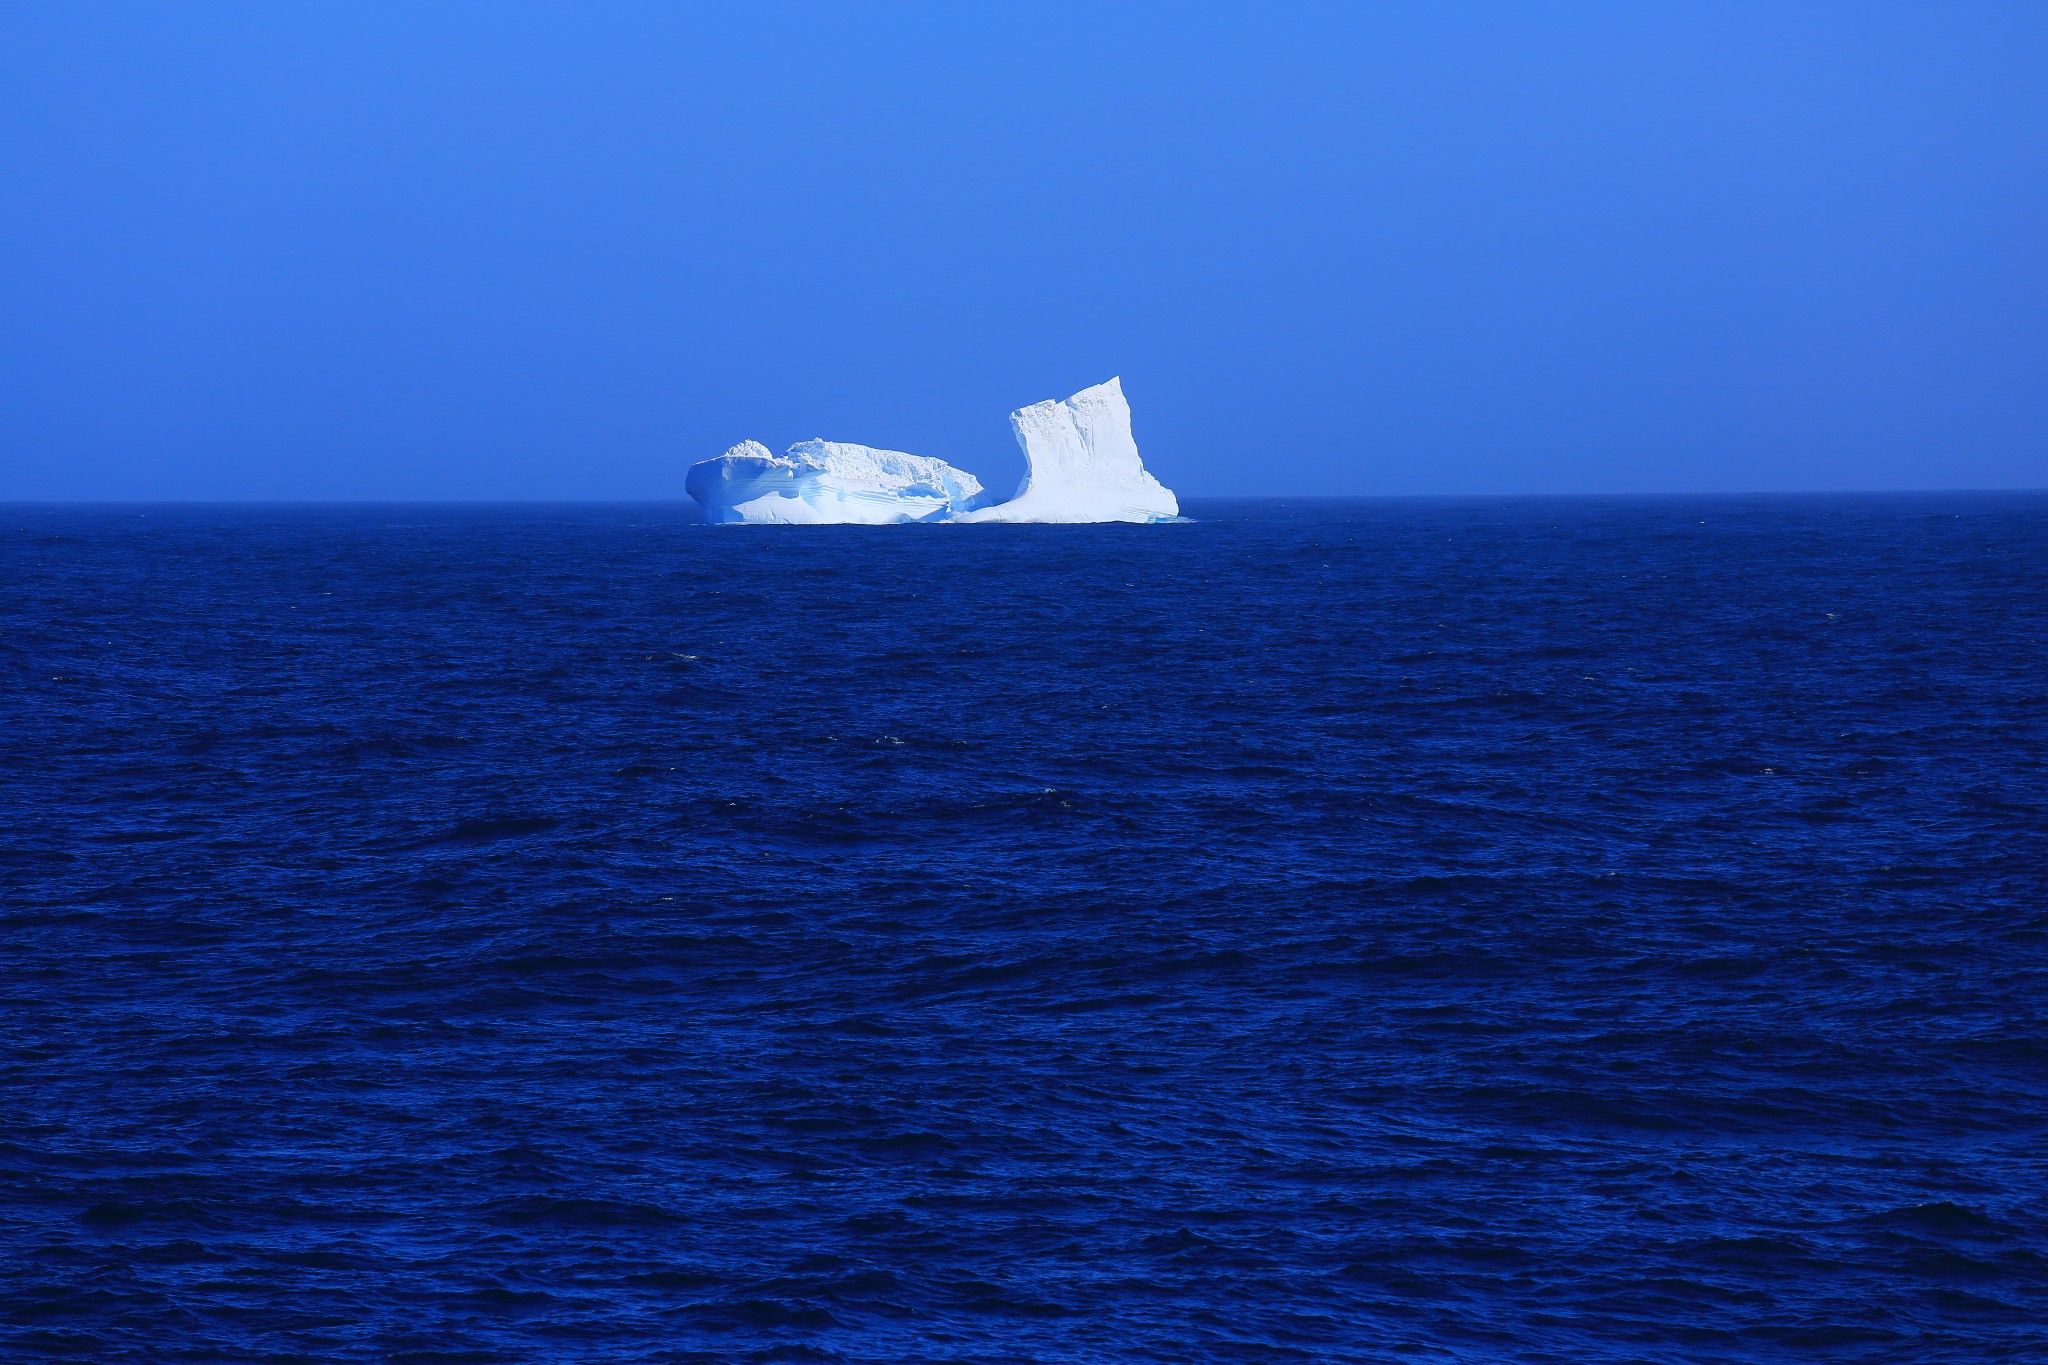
(515, 250)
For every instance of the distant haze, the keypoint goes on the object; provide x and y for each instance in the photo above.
(497, 250)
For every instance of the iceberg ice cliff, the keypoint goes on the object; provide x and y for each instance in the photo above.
(829, 481)
(1082, 465)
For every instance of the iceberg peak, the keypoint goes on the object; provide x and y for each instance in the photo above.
(1083, 464)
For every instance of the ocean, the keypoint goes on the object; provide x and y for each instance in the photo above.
(1490, 930)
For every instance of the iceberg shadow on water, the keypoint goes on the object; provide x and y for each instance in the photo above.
(1082, 465)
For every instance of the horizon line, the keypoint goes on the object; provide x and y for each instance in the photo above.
(686, 501)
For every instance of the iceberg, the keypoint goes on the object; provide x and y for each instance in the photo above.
(1083, 464)
(829, 481)
(1081, 461)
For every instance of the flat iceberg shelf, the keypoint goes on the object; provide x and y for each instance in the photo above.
(829, 481)
(1082, 465)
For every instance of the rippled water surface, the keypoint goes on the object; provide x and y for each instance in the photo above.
(1541, 930)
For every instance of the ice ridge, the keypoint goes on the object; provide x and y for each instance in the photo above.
(829, 481)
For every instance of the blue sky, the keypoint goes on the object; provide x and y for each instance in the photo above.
(511, 250)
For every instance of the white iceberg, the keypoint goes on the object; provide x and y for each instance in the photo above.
(1082, 465)
(829, 481)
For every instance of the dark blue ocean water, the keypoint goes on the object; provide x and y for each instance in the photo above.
(1517, 930)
